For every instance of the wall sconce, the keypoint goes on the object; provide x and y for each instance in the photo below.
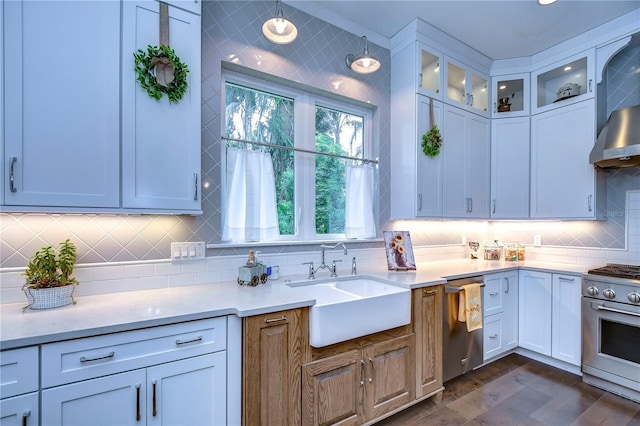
(365, 63)
(279, 30)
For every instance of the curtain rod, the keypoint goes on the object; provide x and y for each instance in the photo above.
(308, 151)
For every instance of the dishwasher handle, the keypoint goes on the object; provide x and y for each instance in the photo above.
(449, 289)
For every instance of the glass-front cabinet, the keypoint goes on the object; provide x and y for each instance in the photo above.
(510, 94)
(429, 73)
(467, 88)
(563, 83)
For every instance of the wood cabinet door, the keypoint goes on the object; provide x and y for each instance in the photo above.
(333, 390)
(191, 391)
(427, 320)
(390, 375)
(272, 358)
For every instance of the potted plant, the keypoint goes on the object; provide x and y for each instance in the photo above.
(49, 283)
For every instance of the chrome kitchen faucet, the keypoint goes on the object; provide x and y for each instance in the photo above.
(323, 265)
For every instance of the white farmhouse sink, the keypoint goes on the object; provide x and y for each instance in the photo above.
(352, 307)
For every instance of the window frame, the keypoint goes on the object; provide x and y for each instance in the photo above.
(305, 101)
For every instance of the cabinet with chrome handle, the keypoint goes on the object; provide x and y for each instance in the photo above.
(167, 373)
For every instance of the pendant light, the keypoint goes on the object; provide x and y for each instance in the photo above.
(279, 30)
(365, 63)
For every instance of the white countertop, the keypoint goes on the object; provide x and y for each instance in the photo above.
(94, 315)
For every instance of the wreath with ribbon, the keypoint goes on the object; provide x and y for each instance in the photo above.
(160, 70)
(432, 140)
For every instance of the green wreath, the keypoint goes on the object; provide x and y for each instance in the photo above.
(145, 70)
(431, 142)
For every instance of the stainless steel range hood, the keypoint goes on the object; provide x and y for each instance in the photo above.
(618, 144)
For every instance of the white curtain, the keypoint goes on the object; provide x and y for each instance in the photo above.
(251, 197)
(359, 219)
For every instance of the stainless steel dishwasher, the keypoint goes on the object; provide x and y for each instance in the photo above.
(462, 351)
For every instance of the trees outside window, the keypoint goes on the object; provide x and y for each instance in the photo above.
(310, 196)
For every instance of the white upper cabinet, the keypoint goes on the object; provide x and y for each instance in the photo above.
(429, 71)
(466, 87)
(510, 94)
(563, 183)
(160, 140)
(61, 104)
(466, 164)
(510, 168)
(428, 169)
(563, 83)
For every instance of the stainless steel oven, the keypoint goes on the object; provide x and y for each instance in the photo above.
(611, 329)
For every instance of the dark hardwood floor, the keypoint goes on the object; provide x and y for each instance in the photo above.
(516, 390)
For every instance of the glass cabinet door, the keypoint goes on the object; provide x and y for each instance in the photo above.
(563, 83)
(510, 95)
(456, 83)
(467, 88)
(479, 93)
(429, 75)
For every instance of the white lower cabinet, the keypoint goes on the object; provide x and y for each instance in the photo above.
(190, 391)
(500, 308)
(20, 410)
(169, 375)
(19, 387)
(549, 317)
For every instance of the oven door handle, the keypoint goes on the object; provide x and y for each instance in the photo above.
(617, 311)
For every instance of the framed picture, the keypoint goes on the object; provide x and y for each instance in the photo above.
(399, 251)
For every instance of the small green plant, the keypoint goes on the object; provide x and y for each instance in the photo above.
(48, 268)
(145, 73)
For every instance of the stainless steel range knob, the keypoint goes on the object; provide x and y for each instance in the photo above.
(609, 293)
(633, 297)
(592, 291)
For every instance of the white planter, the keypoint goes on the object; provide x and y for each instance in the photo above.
(48, 298)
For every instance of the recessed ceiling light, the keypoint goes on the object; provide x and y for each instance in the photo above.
(503, 87)
(545, 2)
(567, 68)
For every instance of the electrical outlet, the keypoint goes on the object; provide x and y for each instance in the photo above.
(537, 241)
(187, 251)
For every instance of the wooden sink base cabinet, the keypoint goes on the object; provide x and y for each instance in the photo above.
(360, 381)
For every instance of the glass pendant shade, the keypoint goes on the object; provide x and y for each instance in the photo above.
(363, 64)
(279, 30)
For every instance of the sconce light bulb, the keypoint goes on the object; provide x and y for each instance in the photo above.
(366, 62)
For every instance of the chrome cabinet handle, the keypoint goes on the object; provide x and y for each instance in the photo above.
(429, 292)
(12, 179)
(109, 355)
(470, 204)
(419, 202)
(493, 208)
(493, 336)
(372, 372)
(566, 279)
(154, 410)
(495, 293)
(138, 414)
(495, 107)
(507, 290)
(589, 201)
(362, 372)
(269, 320)
(195, 187)
(471, 99)
(25, 415)
(420, 80)
(184, 342)
(590, 85)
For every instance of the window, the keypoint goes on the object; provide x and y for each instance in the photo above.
(277, 186)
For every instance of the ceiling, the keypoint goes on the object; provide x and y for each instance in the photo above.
(499, 29)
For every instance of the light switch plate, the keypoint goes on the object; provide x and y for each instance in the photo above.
(187, 251)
